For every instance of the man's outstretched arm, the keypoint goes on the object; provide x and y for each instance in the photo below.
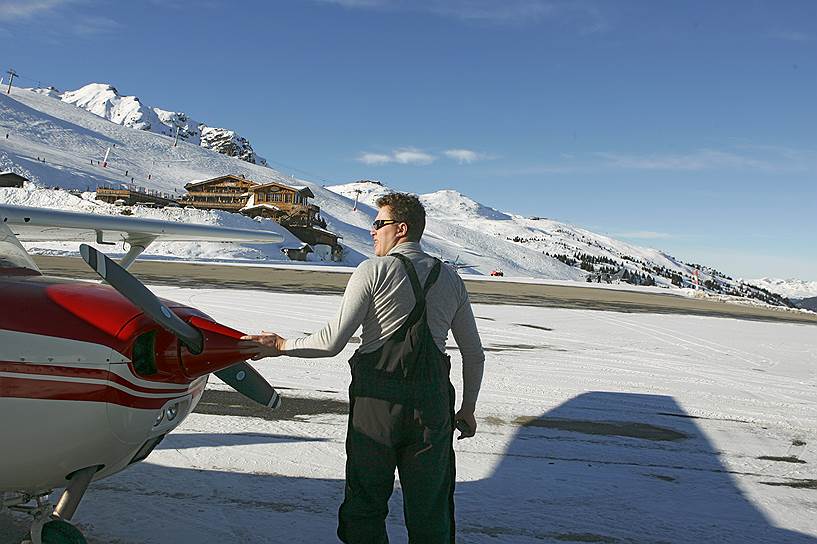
(333, 337)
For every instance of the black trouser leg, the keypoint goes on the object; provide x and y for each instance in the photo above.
(369, 484)
(427, 473)
(427, 480)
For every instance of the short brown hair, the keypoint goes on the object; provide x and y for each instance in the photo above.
(406, 208)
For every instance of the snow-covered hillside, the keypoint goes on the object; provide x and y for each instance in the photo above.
(105, 101)
(791, 288)
(57, 144)
(583, 254)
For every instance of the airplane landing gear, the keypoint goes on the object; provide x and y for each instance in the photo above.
(58, 531)
(52, 525)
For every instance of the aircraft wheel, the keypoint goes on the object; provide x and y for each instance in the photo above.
(61, 532)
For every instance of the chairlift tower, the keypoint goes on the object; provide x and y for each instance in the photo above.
(12, 74)
(357, 194)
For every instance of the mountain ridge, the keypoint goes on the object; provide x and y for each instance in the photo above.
(104, 100)
(54, 143)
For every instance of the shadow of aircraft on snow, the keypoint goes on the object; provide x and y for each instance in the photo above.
(602, 467)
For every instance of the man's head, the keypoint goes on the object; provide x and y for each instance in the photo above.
(403, 219)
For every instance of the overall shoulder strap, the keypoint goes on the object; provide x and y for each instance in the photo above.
(419, 295)
(432, 276)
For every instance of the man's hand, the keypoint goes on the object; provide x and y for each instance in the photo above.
(260, 346)
(466, 423)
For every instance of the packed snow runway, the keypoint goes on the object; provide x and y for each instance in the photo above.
(595, 426)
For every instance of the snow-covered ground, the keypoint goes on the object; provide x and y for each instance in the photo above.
(594, 427)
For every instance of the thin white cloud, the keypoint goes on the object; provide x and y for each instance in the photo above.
(759, 157)
(584, 16)
(705, 159)
(374, 158)
(408, 155)
(464, 156)
(413, 156)
(793, 36)
(24, 9)
(94, 25)
(362, 3)
(644, 235)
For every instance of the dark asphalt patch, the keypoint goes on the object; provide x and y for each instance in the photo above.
(789, 459)
(229, 403)
(519, 347)
(662, 477)
(796, 484)
(687, 416)
(537, 327)
(499, 532)
(643, 431)
(319, 282)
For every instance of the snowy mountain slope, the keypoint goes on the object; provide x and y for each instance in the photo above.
(54, 143)
(791, 288)
(452, 214)
(538, 242)
(461, 242)
(72, 141)
(105, 101)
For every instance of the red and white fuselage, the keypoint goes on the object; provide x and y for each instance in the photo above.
(86, 379)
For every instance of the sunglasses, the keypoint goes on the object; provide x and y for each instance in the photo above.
(380, 223)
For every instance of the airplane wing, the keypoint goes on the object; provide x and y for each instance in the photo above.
(45, 225)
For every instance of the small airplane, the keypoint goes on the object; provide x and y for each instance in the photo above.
(93, 376)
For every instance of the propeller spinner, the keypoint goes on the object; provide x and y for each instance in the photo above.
(240, 376)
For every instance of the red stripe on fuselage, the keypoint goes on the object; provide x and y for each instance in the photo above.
(58, 371)
(27, 388)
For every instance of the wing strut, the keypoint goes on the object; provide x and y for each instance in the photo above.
(138, 244)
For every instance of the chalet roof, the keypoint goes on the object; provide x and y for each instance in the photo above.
(303, 189)
(9, 175)
(197, 183)
(319, 229)
(256, 206)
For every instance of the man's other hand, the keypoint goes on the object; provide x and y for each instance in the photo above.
(466, 423)
(260, 346)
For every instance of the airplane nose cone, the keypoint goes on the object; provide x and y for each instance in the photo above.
(220, 349)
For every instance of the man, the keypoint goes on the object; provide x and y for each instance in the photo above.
(401, 402)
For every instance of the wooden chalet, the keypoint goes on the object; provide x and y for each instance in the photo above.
(128, 197)
(284, 204)
(278, 201)
(10, 179)
(289, 206)
(229, 193)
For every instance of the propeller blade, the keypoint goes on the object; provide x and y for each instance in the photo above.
(133, 290)
(246, 380)
(241, 376)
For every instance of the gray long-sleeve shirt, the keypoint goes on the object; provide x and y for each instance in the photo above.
(379, 297)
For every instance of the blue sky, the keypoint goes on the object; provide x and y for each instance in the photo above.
(687, 126)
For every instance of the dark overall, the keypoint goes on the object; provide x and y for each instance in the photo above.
(401, 413)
